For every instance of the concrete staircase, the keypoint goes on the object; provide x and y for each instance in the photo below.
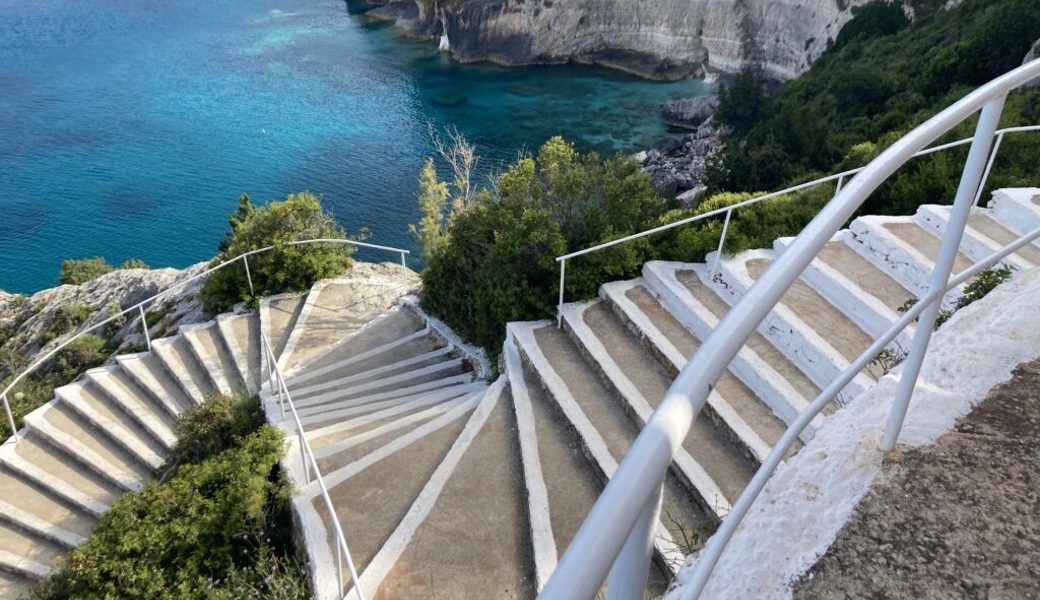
(447, 484)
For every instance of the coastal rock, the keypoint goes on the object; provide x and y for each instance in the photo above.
(677, 165)
(689, 113)
(659, 39)
(28, 323)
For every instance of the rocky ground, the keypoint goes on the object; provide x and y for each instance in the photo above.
(677, 164)
(954, 520)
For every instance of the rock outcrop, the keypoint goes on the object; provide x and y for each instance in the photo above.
(661, 39)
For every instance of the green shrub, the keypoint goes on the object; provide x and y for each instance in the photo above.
(496, 262)
(77, 271)
(208, 429)
(85, 352)
(64, 319)
(285, 268)
(134, 263)
(219, 527)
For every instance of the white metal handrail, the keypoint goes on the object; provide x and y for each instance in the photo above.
(139, 308)
(728, 210)
(616, 537)
(310, 467)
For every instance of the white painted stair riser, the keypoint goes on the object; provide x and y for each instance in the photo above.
(800, 343)
(974, 244)
(114, 432)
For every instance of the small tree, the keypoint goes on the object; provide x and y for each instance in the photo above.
(77, 271)
(284, 268)
(134, 263)
(433, 198)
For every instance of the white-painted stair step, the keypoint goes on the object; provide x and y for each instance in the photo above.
(662, 279)
(49, 467)
(851, 292)
(182, 366)
(241, 336)
(386, 414)
(639, 405)
(57, 484)
(19, 564)
(148, 372)
(718, 409)
(38, 526)
(380, 567)
(278, 316)
(80, 446)
(1017, 209)
(308, 375)
(118, 429)
(796, 338)
(904, 250)
(207, 347)
(382, 334)
(405, 402)
(975, 244)
(437, 371)
(523, 335)
(382, 372)
(132, 402)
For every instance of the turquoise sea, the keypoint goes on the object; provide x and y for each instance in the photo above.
(128, 128)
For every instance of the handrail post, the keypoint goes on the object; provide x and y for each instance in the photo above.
(144, 327)
(627, 580)
(722, 240)
(966, 193)
(559, 305)
(249, 276)
(403, 264)
(841, 182)
(989, 168)
(10, 418)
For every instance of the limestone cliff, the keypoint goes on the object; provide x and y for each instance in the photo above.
(662, 39)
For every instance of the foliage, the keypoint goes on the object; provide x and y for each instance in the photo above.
(984, 283)
(497, 261)
(221, 422)
(286, 267)
(882, 76)
(134, 263)
(85, 352)
(433, 199)
(218, 528)
(64, 319)
(77, 271)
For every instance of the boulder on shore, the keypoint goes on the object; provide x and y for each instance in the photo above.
(689, 113)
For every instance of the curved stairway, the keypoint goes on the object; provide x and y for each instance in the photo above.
(451, 486)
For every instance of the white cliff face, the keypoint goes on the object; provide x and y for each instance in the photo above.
(664, 39)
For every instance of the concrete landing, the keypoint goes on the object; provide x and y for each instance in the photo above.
(960, 519)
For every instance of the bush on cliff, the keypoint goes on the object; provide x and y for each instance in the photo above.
(285, 268)
(495, 261)
(216, 527)
(76, 271)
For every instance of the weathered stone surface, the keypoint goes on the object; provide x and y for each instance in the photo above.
(662, 39)
(689, 113)
(676, 166)
(960, 519)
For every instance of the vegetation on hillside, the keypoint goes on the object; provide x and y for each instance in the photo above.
(883, 75)
(287, 267)
(75, 271)
(215, 525)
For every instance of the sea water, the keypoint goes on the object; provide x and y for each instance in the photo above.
(129, 128)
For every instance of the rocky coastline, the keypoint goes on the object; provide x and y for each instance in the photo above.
(677, 164)
(655, 39)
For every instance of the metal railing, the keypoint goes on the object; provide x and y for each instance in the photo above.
(310, 467)
(615, 541)
(727, 211)
(140, 309)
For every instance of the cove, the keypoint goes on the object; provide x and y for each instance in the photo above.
(128, 128)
